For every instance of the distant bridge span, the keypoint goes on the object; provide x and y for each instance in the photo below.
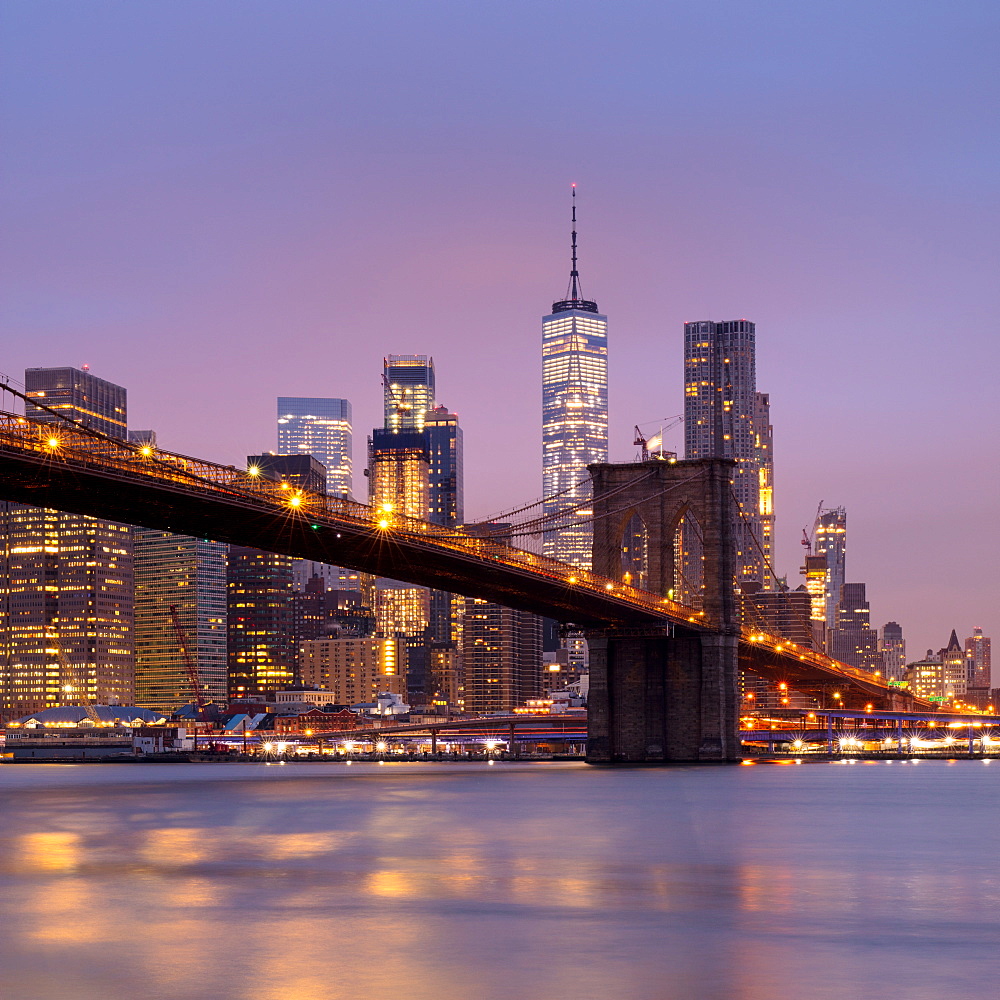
(76, 470)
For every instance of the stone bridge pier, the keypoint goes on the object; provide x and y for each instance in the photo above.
(661, 695)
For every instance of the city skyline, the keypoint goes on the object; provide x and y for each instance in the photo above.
(865, 243)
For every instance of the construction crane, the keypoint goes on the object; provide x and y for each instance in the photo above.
(807, 535)
(198, 702)
(653, 447)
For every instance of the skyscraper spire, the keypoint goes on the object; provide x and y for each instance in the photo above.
(574, 292)
(574, 274)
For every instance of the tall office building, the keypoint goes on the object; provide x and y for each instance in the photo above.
(261, 633)
(574, 415)
(853, 640)
(321, 428)
(66, 607)
(399, 484)
(301, 471)
(725, 417)
(830, 544)
(892, 646)
(73, 392)
(446, 476)
(189, 574)
(408, 391)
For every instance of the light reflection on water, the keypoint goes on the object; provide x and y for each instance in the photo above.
(455, 882)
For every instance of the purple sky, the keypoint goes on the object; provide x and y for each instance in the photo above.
(215, 204)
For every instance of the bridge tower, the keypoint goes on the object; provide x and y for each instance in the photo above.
(664, 695)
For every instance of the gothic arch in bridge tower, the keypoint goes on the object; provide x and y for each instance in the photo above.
(660, 694)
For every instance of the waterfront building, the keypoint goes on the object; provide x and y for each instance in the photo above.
(66, 593)
(187, 574)
(933, 680)
(892, 646)
(725, 417)
(955, 665)
(354, 671)
(501, 657)
(408, 391)
(574, 415)
(321, 428)
(261, 640)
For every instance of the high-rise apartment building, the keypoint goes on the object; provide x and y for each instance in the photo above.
(725, 417)
(408, 391)
(187, 574)
(501, 657)
(830, 544)
(321, 428)
(66, 585)
(353, 670)
(574, 415)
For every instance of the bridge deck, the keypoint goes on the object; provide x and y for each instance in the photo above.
(76, 470)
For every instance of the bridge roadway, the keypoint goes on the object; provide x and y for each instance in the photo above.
(77, 470)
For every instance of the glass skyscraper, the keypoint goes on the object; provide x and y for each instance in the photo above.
(408, 391)
(725, 417)
(574, 416)
(321, 428)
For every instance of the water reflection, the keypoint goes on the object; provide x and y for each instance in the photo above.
(521, 880)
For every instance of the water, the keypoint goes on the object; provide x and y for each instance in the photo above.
(475, 882)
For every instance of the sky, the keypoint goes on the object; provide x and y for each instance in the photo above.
(216, 204)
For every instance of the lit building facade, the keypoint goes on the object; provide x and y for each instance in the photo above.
(77, 394)
(830, 544)
(189, 574)
(977, 649)
(764, 449)
(574, 416)
(66, 610)
(354, 671)
(261, 640)
(892, 646)
(501, 657)
(446, 475)
(66, 607)
(321, 428)
(408, 391)
(725, 417)
(399, 473)
(853, 641)
(301, 471)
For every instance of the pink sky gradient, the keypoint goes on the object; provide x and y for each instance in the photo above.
(217, 204)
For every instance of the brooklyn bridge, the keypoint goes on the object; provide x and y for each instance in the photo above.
(664, 674)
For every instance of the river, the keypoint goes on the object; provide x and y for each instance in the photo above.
(471, 881)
